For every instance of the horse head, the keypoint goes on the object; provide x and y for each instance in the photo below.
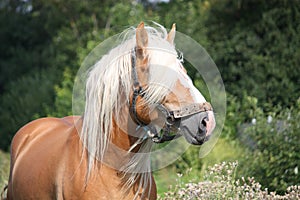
(164, 97)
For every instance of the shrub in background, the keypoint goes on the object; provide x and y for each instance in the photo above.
(25, 100)
(255, 44)
(274, 157)
(269, 138)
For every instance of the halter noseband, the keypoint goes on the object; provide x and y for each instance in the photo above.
(171, 116)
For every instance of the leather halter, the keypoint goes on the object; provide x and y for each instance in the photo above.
(170, 116)
(137, 90)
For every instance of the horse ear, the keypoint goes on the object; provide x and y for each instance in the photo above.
(141, 40)
(171, 35)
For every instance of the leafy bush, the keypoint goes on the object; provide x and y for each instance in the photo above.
(255, 44)
(221, 183)
(25, 100)
(63, 97)
(239, 112)
(274, 156)
(269, 138)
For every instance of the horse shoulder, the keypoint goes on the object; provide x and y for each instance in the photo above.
(40, 148)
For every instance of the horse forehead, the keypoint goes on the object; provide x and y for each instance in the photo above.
(186, 82)
(163, 57)
(169, 61)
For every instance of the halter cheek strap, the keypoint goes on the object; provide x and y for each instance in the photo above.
(136, 93)
(137, 90)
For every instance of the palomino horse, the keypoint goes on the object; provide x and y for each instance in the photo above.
(133, 100)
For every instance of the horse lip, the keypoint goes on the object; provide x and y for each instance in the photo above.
(195, 141)
(200, 138)
(198, 133)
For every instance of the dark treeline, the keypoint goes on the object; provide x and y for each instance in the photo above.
(255, 45)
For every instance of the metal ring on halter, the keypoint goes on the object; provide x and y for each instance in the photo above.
(168, 115)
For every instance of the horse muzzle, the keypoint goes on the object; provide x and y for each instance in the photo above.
(197, 128)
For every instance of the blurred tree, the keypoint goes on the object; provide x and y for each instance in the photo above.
(23, 39)
(25, 100)
(40, 37)
(189, 17)
(256, 47)
(26, 60)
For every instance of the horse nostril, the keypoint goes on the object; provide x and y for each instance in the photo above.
(203, 125)
(203, 122)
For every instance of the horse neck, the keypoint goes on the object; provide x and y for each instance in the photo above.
(127, 143)
(131, 164)
(122, 137)
(135, 171)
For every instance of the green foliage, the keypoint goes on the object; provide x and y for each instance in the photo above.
(270, 147)
(191, 24)
(239, 112)
(274, 156)
(195, 168)
(133, 11)
(224, 150)
(63, 97)
(25, 100)
(189, 17)
(256, 46)
(22, 49)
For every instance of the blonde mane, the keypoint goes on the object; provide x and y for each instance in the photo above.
(109, 84)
